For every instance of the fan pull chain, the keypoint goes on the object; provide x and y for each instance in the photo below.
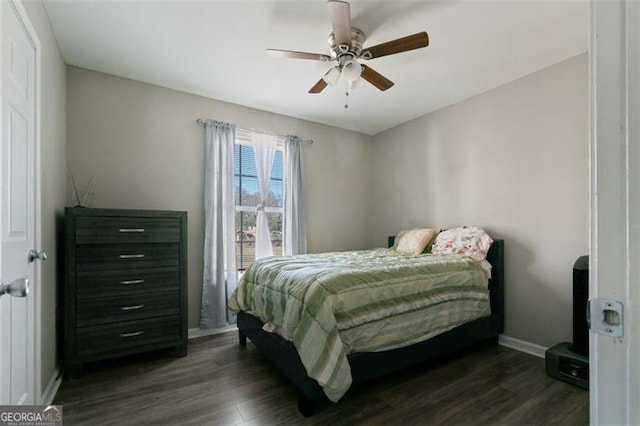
(346, 97)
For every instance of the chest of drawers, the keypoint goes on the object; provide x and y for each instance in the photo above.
(125, 288)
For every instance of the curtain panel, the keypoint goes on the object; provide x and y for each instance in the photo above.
(295, 230)
(219, 276)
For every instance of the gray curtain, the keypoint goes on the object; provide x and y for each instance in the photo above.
(295, 230)
(219, 277)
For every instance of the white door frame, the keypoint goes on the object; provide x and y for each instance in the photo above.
(36, 305)
(615, 205)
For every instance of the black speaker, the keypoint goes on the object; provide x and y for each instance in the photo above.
(580, 298)
(570, 361)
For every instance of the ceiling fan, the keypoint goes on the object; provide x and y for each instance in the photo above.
(345, 43)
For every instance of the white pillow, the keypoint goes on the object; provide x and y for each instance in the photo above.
(414, 241)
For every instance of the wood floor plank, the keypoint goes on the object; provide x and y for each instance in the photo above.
(222, 383)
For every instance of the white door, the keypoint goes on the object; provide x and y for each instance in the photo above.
(615, 206)
(17, 315)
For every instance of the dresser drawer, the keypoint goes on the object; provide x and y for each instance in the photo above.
(126, 282)
(118, 230)
(127, 256)
(116, 309)
(116, 336)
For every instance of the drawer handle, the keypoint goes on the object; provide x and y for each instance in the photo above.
(129, 230)
(131, 308)
(135, 333)
(131, 256)
(130, 282)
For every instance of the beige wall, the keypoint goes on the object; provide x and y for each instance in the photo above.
(513, 160)
(145, 151)
(53, 177)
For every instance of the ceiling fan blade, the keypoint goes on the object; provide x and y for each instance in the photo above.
(404, 44)
(318, 87)
(297, 55)
(340, 15)
(375, 78)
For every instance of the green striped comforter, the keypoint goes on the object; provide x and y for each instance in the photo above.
(332, 304)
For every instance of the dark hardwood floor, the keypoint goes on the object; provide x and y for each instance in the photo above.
(220, 382)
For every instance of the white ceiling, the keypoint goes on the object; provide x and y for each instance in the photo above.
(217, 49)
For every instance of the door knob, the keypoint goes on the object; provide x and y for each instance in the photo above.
(34, 254)
(16, 288)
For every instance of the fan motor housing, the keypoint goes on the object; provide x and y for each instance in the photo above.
(357, 40)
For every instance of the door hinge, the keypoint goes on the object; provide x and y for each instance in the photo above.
(605, 316)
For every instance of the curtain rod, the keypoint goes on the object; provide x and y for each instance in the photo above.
(201, 121)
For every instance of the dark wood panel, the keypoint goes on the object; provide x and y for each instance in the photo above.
(111, 337)
(121, 230)
(126, 308)
(127, 282)
(127, 256)
(220, 382)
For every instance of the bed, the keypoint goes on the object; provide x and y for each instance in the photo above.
(367, 365)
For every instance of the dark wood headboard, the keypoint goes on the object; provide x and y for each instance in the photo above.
(495, 257)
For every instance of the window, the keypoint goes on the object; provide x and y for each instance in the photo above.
(247, 197)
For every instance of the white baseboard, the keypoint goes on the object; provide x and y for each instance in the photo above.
(522, 346)
(51, 390)
(201, 332)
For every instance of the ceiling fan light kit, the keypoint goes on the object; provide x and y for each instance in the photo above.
(346, 47)
(351, 70)
(332, 76)
(348, 69)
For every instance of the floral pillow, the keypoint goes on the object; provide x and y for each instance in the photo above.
(466, 240)
(414, 241)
